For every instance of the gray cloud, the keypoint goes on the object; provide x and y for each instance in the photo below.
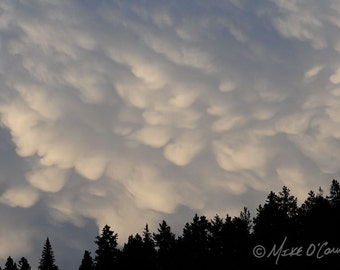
(125, 113)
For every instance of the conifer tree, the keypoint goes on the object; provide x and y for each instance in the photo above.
(195, 242)
(148, 250)
(165, 238)
(107, 251)
(87, 261)
(243, 222)
(23, 264)
(241, 239)
(335, 193)
(216, 234)
(47, 261)
(165, 241)
(10, 264)
(133, 252)
(148, 242)
(269, 223)
(287, 203)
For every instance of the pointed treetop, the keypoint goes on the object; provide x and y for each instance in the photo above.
(87, 261)
(47, 257)
(10, 264)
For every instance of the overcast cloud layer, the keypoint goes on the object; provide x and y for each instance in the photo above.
(127, 112)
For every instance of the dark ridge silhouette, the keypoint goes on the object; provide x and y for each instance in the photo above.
(281, 235)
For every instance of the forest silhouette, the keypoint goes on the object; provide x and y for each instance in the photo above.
(282, 234)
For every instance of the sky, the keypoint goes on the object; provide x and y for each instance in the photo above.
(131, 112)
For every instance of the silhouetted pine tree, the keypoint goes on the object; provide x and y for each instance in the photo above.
(195, 243)
(87, 261)
(216, 237)
(10, 264)
(23, 264)
(132, 252)
(334, 221)
(165, 241)
(47, 261)
(148, 250)
(334, 192)
(315, 217)
(287, 203)
(275, 221)
(277, 217)
(267, 218)
(107, 252)
(334, 200)
(241, 250)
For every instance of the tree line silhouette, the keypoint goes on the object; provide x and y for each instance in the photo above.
(281, 235)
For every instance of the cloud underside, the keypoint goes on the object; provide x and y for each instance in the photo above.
(123, 112)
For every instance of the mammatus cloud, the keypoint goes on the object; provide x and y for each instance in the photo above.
(22, 197)
(123, 113)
